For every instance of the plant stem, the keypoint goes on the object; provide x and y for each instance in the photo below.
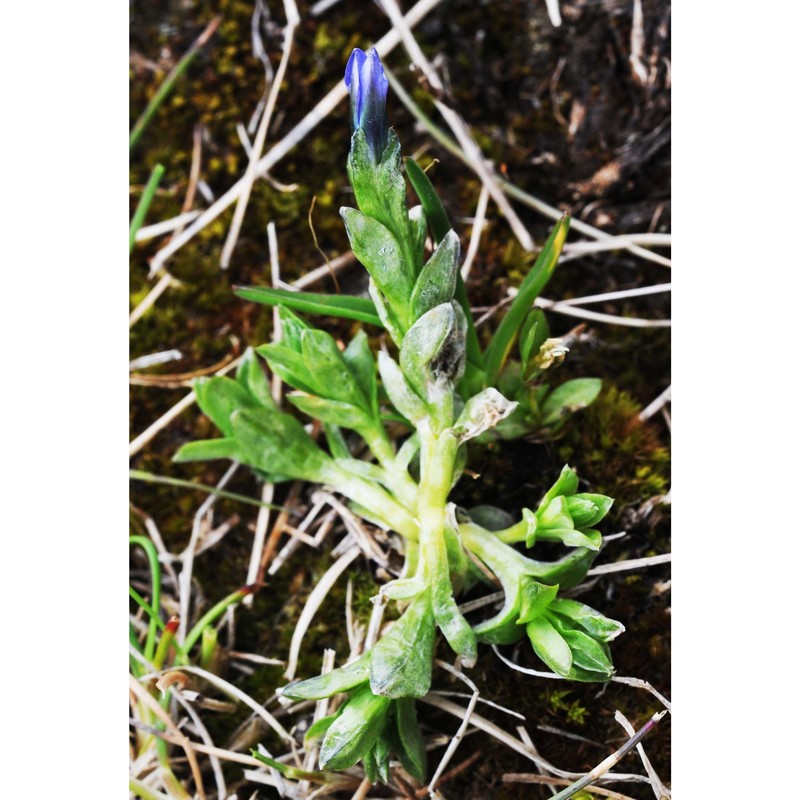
(437, 459)
(402, 486)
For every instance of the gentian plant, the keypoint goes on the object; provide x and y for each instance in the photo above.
(447, 390)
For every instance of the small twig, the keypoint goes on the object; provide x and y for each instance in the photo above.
(638, 69)
(623, 294)
(167, 226)
(164, 282)
(554, 11)
(527, 777)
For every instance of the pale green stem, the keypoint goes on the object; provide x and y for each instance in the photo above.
(402, 486)
(437, 459)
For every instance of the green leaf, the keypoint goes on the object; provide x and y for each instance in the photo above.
(534, 282)
(355, 731)
(402, 588)
(566, 484)
(252, 378)
(277, 442)
(411, 750)
(593, 622)
(440, 225)
(567, 572)
(319, 728)
(339, 680)
(219, 398)
(332, 412)
(535, 598)
(549, 645)
(292, 328)
(533, 334)
(289, 366)
(337, 444)
(381, 752)
(571, 537)
(437, 216)
(401, 395)
(343, 306)
(437, 280)
(418, 223)
(379, 251)
(456, 629)
(207, 450)
(325, 363)
(555, 514)
(423, 352)
(402, 659)
(568, 398)
(587, 510)
(361, 363)
(591, 659)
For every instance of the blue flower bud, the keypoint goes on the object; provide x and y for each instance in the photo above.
(367, 84)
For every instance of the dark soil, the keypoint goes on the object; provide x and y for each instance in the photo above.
(562, 116)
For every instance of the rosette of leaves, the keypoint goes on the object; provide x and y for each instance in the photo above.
(570, 637)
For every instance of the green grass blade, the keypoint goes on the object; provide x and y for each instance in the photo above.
(346, 306)
(148, 477)
(211, 615)
(434, 210)
(535, 281)
(144, 203)
(169, 82)
(155, 592)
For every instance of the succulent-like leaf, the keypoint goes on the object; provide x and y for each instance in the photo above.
(277, 442)
(437, 281)
(219, 398)
(355, 731)
(379, 251)
(402, 396)
(418, 223)
(289, 366)
(338, 680)
(566, 484)
(568, 398)
(402, 660)
(361, 363)
(592, 622)
(411, 747)
(252, 378)
(333, 412)
(535, 598)
(550, 645)
(207, 450)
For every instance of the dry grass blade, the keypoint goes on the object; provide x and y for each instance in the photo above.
(475, 157)
(262, 523)
(527, 777)
(477, 228)
(657, 404)
(231, 691)
(462, 728)
(292, 21)
(219, 778)
(313, 603)
(147, 699)
(659, 790)
(633, 563)
(582, 313)
(623, 294)
(604, 766)
(515, 744)
(167, 226)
